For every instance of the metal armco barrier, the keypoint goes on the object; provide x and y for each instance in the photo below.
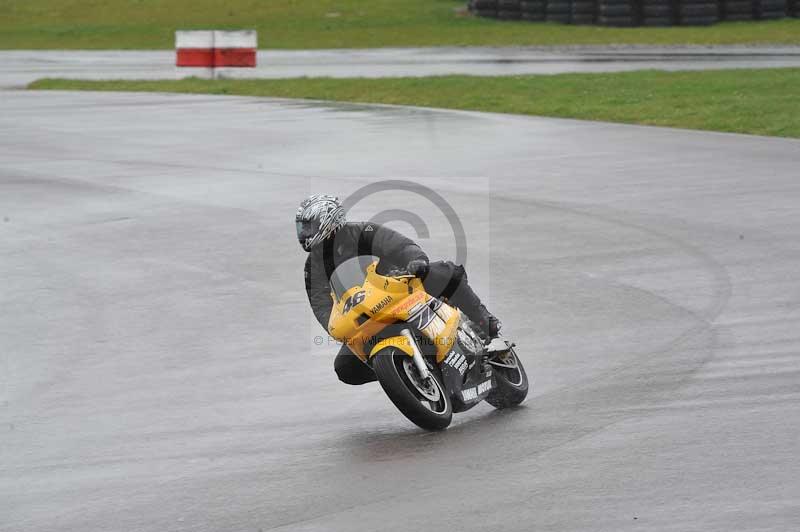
(626, 13)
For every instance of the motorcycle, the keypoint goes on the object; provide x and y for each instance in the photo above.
(428, 357)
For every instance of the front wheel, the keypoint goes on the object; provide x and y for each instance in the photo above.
(425, 403)
(511, 379)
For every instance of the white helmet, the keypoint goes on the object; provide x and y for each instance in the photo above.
(318, 217)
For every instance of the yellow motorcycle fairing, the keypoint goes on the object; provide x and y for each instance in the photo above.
(362, 312)
(400, 342)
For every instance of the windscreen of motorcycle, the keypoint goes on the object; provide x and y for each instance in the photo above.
(350, 273)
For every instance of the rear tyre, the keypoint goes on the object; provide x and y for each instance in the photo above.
(426, 404)
(511, 379)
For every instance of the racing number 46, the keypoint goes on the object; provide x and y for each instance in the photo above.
(354, 300)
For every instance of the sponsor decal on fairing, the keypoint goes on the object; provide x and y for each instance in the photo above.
(470, 394)
(458, 361)
(382, 303)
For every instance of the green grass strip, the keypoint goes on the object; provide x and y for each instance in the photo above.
(755, 101)
(303, 24)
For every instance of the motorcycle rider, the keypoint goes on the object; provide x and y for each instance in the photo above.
(330, 240)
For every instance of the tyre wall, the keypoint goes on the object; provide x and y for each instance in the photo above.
(628, 13)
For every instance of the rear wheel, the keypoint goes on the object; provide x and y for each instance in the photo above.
(424, 402)
(511, 379)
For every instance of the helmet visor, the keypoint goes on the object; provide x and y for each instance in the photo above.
(306, 229)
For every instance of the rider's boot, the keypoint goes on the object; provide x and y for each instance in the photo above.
(470, 304)
(488, 323)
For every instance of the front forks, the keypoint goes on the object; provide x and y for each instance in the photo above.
(419, 360)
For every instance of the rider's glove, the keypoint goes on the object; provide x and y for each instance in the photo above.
(418, 267)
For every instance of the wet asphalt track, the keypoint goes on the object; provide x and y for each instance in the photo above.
(158, 365)
(20, 67)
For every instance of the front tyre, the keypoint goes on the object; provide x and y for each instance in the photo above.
(425, 403)
(511, 379)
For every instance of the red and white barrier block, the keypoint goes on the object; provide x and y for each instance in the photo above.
(215, 54)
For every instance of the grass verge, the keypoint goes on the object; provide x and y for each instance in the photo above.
(756, 101)
(149, 24)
